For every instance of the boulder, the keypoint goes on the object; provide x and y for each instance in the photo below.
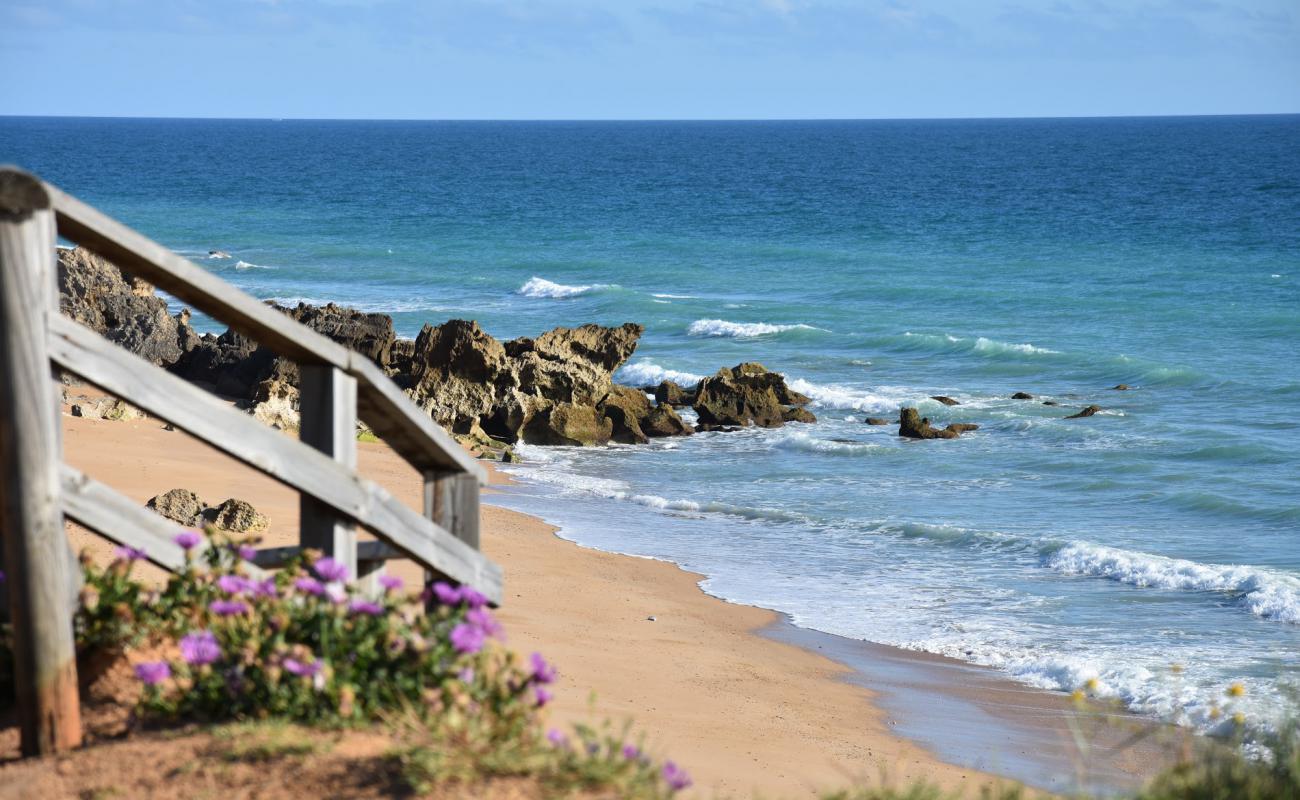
(671, 394)
(568, 424)
(912, 425)
(625, 408)
(109, 408)
(746, 394)
(877, 421)
(1121, 387)
(122, 309)
(1086, 412)
(371, 335)
(237, 516)
(179, 505)
(275, 403)
(947, 401)
(797, 414)
(1022, 396)
(664, 421)
(1050, 403)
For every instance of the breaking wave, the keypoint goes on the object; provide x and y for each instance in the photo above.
(540, 287)
(646, 373)
(742, 330)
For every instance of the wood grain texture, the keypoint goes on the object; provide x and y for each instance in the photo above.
(328, 399)
(31, 517)
(82, 352)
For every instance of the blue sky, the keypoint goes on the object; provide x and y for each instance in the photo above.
(620, 59)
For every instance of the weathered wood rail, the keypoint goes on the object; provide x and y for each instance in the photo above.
(37, 490)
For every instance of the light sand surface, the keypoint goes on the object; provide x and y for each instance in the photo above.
(742, 712)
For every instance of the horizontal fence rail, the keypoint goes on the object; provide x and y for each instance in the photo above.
(337, 387)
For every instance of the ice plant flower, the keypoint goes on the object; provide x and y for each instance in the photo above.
(336, 592)
(445, 593)
(543, 673)
(556, 738)
(129, 553)
(187, 540)
(200, 647)
(233, 584)
(467, 638)
(246, 552)
(309, 585)
(482, 619)
(472, 597)
(330, 569)
(466, 675)
(264, 588)
(675, 777)
(227, 608)
(543, 696)
(391, 583)
(360, 606)
(153, 673)
(304, 669)
(631, 752)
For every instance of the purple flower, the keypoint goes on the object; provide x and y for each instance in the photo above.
(543, 672)
(543, 696)
(556, 738)
(187, 539)
(446, 594)
(305, 669)
(153, 673)
(2, 576)
(233, 584)
(675, 777)
(472, 597)
(391, 583)
(227, 608)
(200, 647)
(336, 592)
(129, 553)
(330, 569)
(631, 752)
(482, 619)
(246, 552)
(467, 638)
(266, 588)
(360, 606)
(310, 586)
(466, 675)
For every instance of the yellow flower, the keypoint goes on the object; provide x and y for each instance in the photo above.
(1236, 690)
(1239, 719)
(1077, 696)
(1215, 712)
(1092, 684)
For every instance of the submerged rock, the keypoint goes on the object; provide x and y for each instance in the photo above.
(878, 421)
(1121, 387)
(912, 425)
(1086, 412)
(1022, 396)
(947, 401)
(797, 414)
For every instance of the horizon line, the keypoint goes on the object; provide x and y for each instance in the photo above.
(654, 119)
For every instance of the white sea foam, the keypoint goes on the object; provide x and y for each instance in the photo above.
(540, 287)
(798, 440)
(646, 373)
(741, 330)
(1263, 592)
(981, 344)
(242, 265)
(667, 296)
(838, 396)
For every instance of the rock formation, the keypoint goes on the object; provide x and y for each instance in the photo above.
(947, 401)
(179, 505)
(1086, 412)
(1022, 396)
(877, 421)
(747, 394)
(912, 425)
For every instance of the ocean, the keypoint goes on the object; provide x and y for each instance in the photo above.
(1153, 547)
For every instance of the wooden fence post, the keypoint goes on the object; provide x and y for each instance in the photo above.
(451, 500)
(328, 403)
(31, 514)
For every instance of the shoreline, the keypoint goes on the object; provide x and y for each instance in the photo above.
(745, 712)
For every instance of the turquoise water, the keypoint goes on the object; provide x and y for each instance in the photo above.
(876, 264)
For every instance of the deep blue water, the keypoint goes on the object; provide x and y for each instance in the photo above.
(876, 264)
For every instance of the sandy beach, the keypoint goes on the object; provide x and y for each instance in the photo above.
(746, 713)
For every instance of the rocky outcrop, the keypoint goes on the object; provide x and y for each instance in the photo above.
(746, 394)
(912, 425)
(1086, 412)
(797, 414)
(120, 308)
(568, 424)
(275, 403)
(179, 505)
(1022, 396)
(668, 392)
(663, 421)
(625, 408)
(947, 401)
(878, 421)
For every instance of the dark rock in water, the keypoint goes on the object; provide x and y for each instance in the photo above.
(912, 425)
(1087, 412)
(1022, 396)
(122, 309)
(663, 421)
(237, 516)
(747, 394)
(798, 414)
(947, 401)
(706, 427)
(1121, 387)
(670, 393)
(878, 421)
(568, 424)
(179, 505)
(1050, 403)
(625, 407)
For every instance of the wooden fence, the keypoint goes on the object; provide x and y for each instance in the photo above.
(37, 490)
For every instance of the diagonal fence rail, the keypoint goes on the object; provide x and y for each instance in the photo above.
(337, 386)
